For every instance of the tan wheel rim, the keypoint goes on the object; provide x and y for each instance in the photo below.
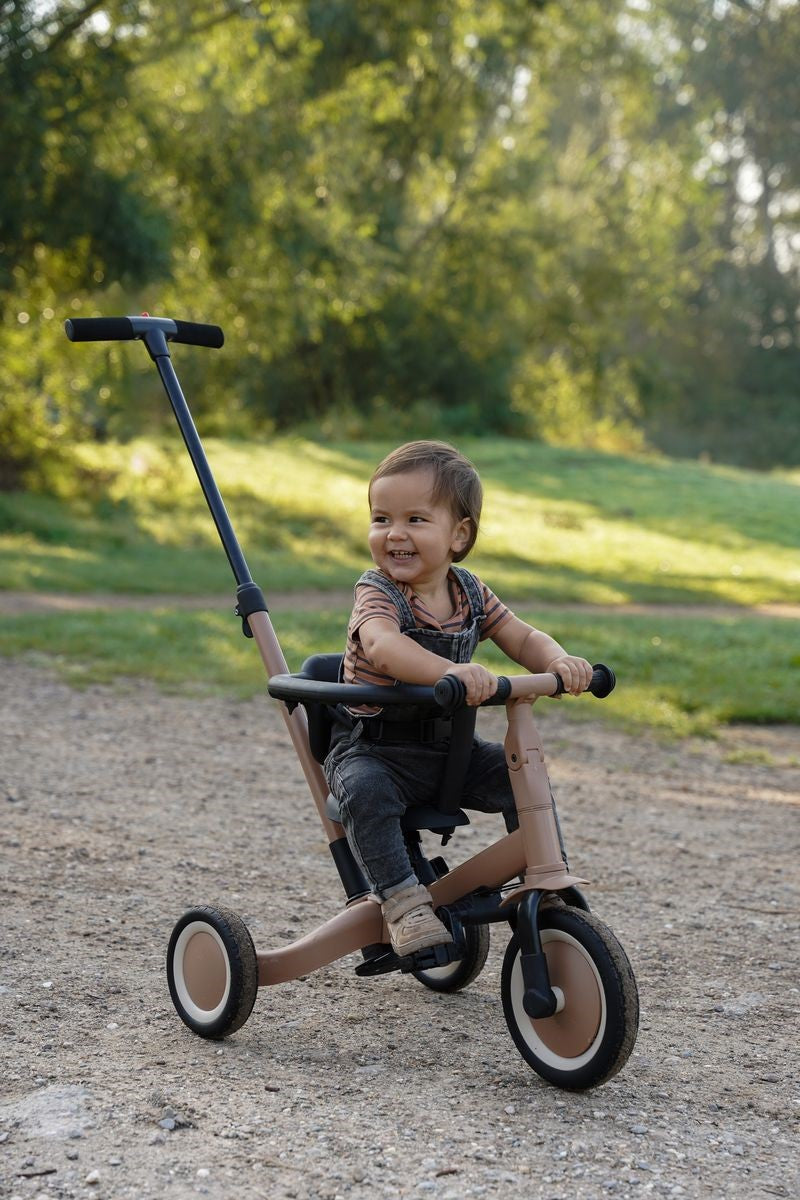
(204, 971)
(201, 971)
(571, 1032)
(569, 1039)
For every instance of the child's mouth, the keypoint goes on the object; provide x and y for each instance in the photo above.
(402, 555)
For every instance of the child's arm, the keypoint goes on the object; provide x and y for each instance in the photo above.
(392, 653)
(537, 651)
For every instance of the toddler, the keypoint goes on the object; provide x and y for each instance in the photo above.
(416, 618)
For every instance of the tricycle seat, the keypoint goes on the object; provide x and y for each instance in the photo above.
(420, 816)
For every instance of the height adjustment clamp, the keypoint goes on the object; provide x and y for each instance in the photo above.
(249, 600)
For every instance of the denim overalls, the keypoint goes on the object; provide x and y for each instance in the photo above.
(374, 781)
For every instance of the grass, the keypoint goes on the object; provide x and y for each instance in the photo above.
(676, 677)
(559, 525)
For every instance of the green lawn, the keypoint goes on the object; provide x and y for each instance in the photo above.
(676, 676)
(559, 525)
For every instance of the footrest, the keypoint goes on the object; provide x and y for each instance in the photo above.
(421, 960)
(431, 957)
(379, 964)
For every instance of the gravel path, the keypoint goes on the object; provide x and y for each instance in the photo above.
(123, 806)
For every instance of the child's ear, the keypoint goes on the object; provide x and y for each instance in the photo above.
(461, 535)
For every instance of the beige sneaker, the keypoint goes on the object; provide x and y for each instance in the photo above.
(411, 921)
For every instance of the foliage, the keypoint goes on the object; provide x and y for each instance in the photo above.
(573, 221)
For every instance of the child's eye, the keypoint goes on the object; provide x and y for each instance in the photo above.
(417, 518)
(379, 520)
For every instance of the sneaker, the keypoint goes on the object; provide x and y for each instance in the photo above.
(411, 921)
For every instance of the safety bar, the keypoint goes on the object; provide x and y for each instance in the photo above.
(449, 693)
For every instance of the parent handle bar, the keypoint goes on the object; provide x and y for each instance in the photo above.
(128, 329)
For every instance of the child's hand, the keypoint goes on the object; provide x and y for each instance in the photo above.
(576, 673)
(480, 683)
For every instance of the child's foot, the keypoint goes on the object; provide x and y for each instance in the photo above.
(411, 921)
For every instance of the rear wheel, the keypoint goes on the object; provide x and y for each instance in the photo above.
(591, 1037)
(456, 975)
(212, 971)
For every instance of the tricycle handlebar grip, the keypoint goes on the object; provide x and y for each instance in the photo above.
(502, 693)
(603, 681)
(193, 334)
(99, 329)
(449, 693)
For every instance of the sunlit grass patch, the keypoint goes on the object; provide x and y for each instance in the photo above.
(559, 525)
(676, 677)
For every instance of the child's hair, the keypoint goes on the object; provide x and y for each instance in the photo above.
(455, 480)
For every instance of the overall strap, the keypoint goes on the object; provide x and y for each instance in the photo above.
(393, 593)
(472, 590)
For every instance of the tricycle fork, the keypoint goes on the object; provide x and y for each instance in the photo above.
(545, 868)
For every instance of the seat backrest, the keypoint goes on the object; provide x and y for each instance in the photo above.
(325, 668)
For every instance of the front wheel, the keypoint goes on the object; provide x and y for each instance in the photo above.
(592, 1035)
(212, 971)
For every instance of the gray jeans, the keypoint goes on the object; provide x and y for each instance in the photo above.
(374, 783)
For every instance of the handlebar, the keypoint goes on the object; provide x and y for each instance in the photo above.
(127, 329)
(449, 693)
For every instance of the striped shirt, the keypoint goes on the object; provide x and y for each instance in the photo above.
(370, 602)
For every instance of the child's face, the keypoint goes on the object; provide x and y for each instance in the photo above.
(411, 538)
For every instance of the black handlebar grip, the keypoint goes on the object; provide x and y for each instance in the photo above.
(603, 681)
(192, 334)
(449, 693)
(99, 329)
(502, 693)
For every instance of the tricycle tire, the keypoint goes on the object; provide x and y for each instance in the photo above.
(212, 971)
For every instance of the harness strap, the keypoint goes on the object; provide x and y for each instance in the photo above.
(434, 729)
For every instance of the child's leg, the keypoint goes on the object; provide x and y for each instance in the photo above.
(372, 801)
(488, 787)
(371, 805)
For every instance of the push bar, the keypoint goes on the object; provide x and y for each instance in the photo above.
(127, 329)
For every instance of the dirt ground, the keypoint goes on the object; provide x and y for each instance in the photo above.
(122, 806)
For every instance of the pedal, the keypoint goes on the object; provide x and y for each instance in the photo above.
(380, 964)
(432, 957)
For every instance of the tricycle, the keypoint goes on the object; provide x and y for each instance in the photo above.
(568, 992)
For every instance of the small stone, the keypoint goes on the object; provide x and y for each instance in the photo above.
(115, 1162)
(167, 1123)
(638, 1129)
(510, 1109)
(203, 1172)
(92, 1177)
